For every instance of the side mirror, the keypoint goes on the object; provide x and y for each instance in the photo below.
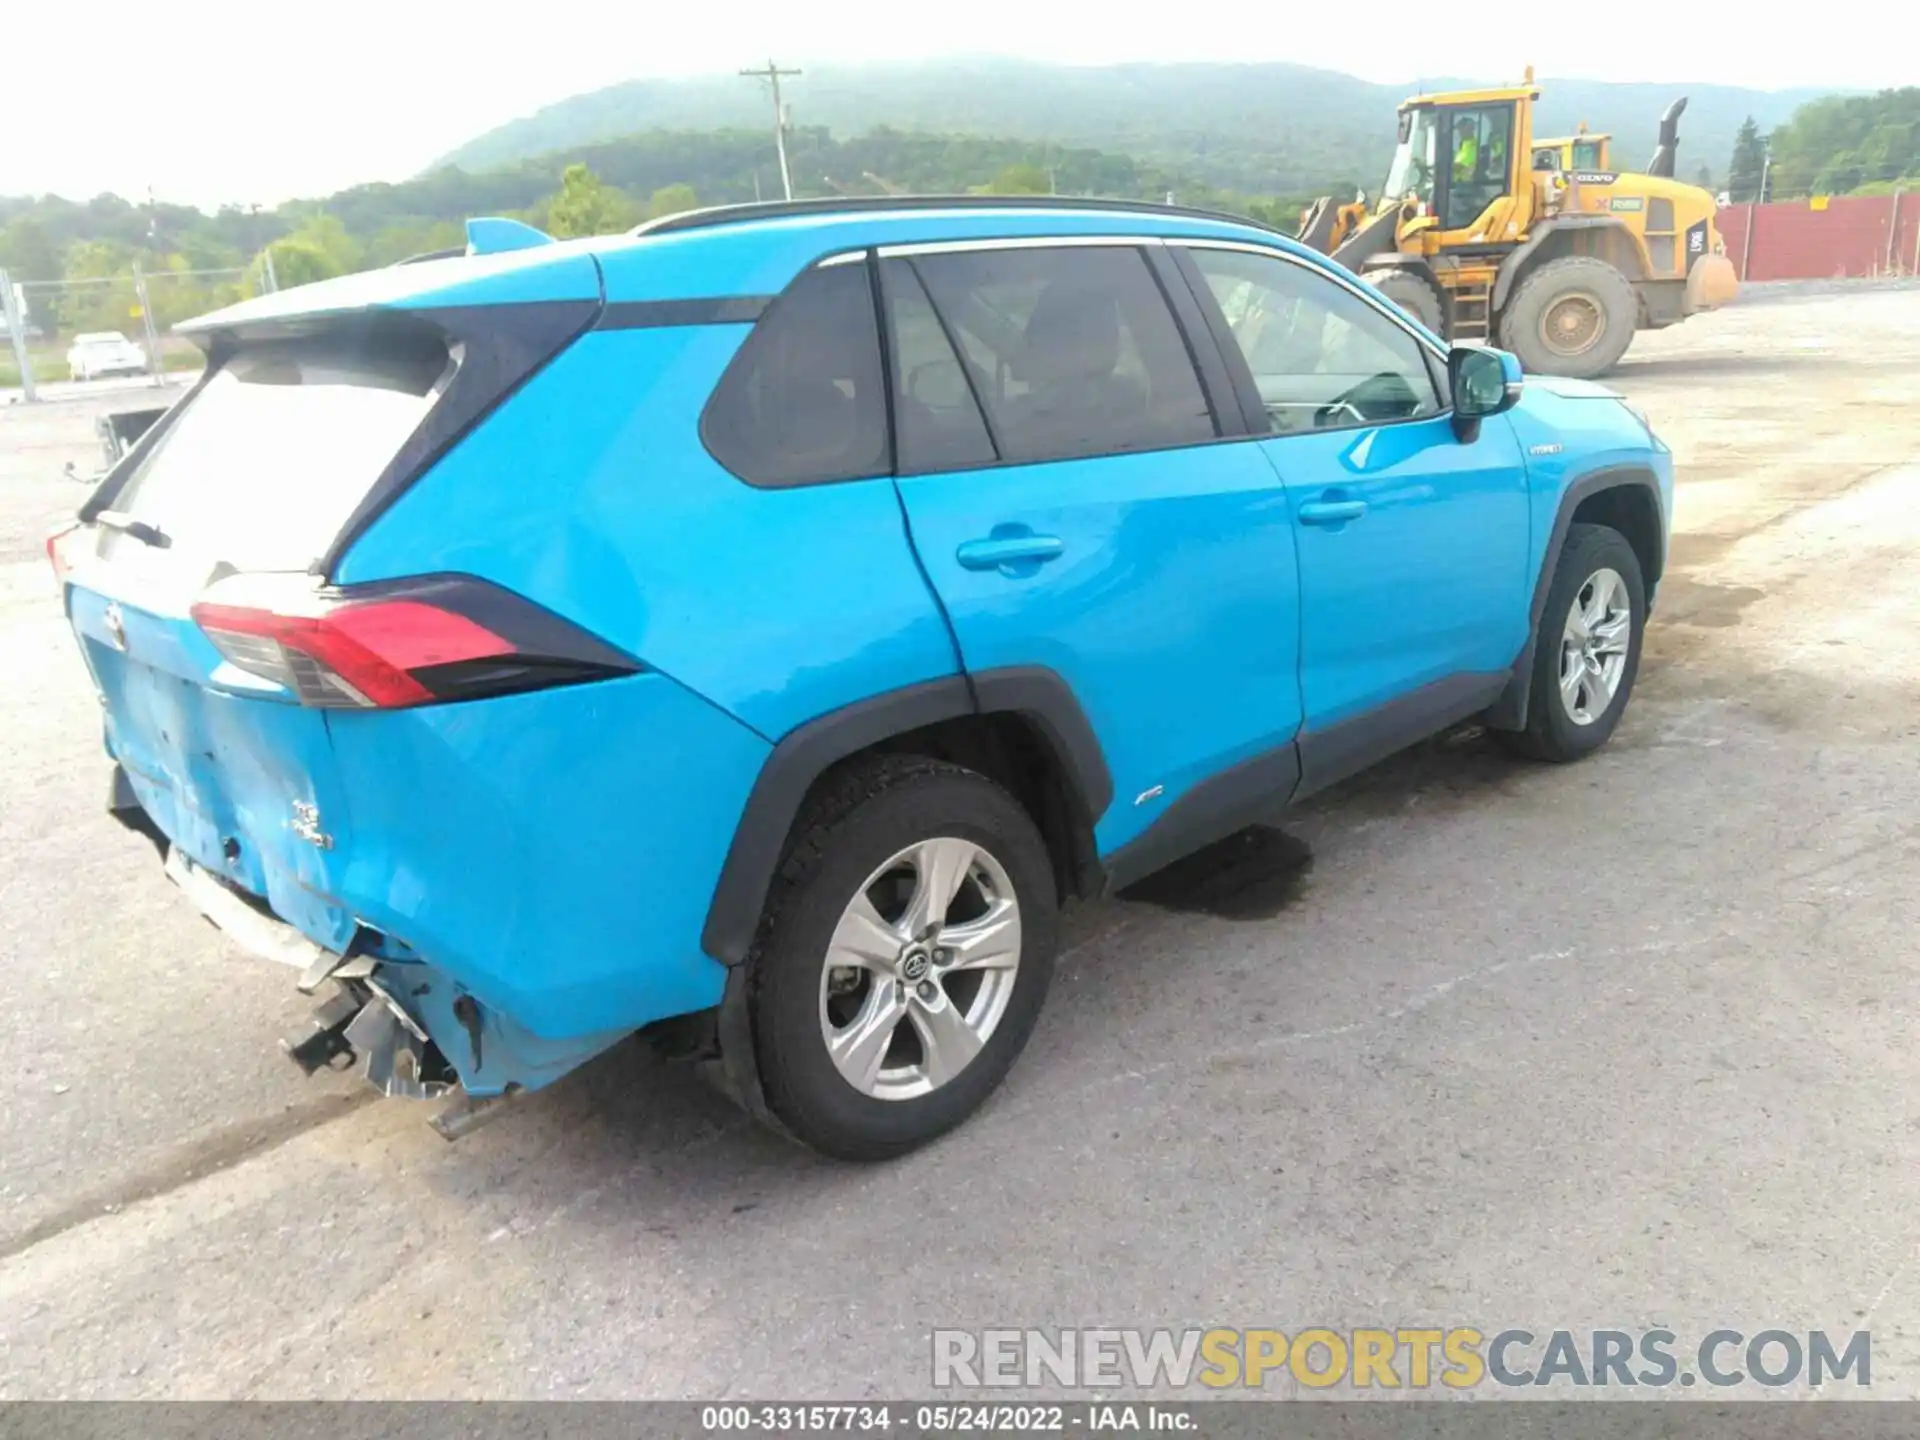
(1483, 381)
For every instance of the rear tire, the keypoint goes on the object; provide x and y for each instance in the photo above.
(1586, 652)
(1573, 316)
(872, 1036)
(1414, 292)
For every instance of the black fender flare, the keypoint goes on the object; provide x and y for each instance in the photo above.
(1509, 712)
(1039, 695)
(1511, 267)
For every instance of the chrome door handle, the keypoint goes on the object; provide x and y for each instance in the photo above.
(1008, 550)
(1331, 512)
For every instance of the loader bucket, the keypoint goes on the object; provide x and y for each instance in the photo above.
(1711, 283)
(1317, 225)
(1376, 237)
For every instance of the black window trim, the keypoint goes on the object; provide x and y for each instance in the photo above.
(1245, 385)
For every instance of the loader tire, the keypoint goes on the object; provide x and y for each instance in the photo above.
(1573, 316)
(1417, 294)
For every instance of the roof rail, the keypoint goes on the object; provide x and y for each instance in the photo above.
(843, 204)
(426, 255)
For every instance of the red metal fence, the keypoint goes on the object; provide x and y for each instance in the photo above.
(1824, 239)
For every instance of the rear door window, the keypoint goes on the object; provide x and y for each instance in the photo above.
(937, 417)
(272, 456)
(1073, 351)
(804, 401)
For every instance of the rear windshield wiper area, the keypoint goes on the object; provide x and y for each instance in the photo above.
(139, 529)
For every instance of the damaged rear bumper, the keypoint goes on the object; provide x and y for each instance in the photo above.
(414, 1030)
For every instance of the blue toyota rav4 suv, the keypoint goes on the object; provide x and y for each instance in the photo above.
(752, 629)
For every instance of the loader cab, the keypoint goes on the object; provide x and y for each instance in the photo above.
(1459, 157)
(1567, 153)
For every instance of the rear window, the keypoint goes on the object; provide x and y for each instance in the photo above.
(268, 461)
(804, 401)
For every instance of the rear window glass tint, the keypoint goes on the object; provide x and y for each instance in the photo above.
(803, 402)
(271, 457)
(936, 417)
(1073, 351)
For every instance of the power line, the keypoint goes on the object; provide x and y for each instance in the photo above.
(773, 74)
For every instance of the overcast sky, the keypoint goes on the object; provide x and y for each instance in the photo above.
(207, 103)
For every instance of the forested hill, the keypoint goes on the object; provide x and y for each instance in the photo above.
(1267, 128)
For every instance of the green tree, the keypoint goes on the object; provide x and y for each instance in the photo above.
(1748, 164)
(1703, 177)
(585, 206)
(296, 261)
(27, 252)
(671, 200)
(328, 235)
(394, 243)
(1017, 179)
(1846, 143)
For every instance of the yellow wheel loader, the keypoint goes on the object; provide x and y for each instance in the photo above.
(1483, 233)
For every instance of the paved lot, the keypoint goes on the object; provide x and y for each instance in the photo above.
(108, 389)
(1623, 1044)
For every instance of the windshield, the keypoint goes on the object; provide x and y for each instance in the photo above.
(1412, 170)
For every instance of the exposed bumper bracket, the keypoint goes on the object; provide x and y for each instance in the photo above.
(327, 1047)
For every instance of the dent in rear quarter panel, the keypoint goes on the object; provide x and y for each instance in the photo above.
(1591, 433)
(591, 492)
(552, 851)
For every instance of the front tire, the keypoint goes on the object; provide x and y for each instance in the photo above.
(1414, 292)
(905, 954)
(1586, 653)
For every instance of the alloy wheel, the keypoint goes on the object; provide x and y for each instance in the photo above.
(920, 969)
(1593, 646)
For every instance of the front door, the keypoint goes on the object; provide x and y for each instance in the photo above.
(1074, 507)
(1413, 546)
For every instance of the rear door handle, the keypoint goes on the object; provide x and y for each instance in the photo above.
(1008, 550)
(1331, 512)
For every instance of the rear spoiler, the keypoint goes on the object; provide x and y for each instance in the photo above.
(488, 235)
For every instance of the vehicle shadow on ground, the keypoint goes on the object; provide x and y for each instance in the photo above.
(1252, 875)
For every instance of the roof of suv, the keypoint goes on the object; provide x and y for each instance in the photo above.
(729, 251)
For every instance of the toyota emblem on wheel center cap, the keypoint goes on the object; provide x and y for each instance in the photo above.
(914, 965)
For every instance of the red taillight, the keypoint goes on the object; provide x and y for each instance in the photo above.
(400, 643)
(56, 550)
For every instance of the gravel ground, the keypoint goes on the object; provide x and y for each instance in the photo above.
(1471, 1042)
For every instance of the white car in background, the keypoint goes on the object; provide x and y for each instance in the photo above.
(105, 352)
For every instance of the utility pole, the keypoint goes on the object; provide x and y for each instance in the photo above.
(773, 74)
(146, 323)
(1766, 169)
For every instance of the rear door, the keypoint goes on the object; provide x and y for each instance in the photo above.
(1077, 506)
(256, 475)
